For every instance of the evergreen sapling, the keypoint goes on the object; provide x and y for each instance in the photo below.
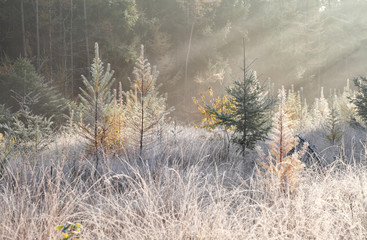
(145, 107)
(95, 100)
(248, 112)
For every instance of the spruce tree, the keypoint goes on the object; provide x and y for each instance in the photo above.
(95, 99)
(20, 79)
(345, 107)
(360, 98)
(248, 114)
(30, 132)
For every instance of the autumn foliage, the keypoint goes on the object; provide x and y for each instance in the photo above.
(279, 167)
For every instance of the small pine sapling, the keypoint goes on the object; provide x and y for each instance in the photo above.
(279, 168)
(22, 77)
(145, 108)
(346, 108)
(74, 118)
(297, 108)
(321, 109)
(115, 117)
(95, 100)
(360, 98)
(333, 129)
(292, 104)
(31, 132)
(352, 104)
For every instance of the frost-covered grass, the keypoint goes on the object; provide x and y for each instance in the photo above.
(187, 187)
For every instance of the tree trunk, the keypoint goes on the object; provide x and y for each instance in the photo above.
(245, 132)
(64, 62)
(71, 49)
(96, 127)
(86, 36)
(142, 115)
(23, 28)
(244, 58)
(38, 38)
(50, 39)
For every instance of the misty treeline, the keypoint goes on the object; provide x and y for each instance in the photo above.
(195, 43)
(89, 136)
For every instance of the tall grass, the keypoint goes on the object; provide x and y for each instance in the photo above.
(188, 188)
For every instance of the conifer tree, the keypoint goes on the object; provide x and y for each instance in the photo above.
(145, 108)
(321, 110)
(95, 99)
(360, 98)
(297, 109)
(347, 108)
(281, 168)
(31, 132)
(115, 118)
(22, 80)
(248, 111)
(292, 104)
(323, 105)
(344, 105)
(333, 129)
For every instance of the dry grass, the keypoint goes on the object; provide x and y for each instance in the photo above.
(188, 189)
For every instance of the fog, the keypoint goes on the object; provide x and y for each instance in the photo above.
(195, 44)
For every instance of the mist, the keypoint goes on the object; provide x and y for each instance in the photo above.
(195, 44)
(183, 119)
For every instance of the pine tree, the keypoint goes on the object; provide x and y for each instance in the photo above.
(21, 80)
(333, 129)
(281, 168)
(116, 121)
(96, 99)
(360, 98)
(321, 110)
(248, 113)
(292, 104)
(347, 108)
(323, 105)
(145, 108)
(297, 109)
(31, 132)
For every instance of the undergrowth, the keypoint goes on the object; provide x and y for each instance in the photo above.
(189, 187)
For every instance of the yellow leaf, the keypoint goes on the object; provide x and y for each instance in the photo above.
(211, 92)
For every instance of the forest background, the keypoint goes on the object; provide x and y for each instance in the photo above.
(91, 147)
(195, 44)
